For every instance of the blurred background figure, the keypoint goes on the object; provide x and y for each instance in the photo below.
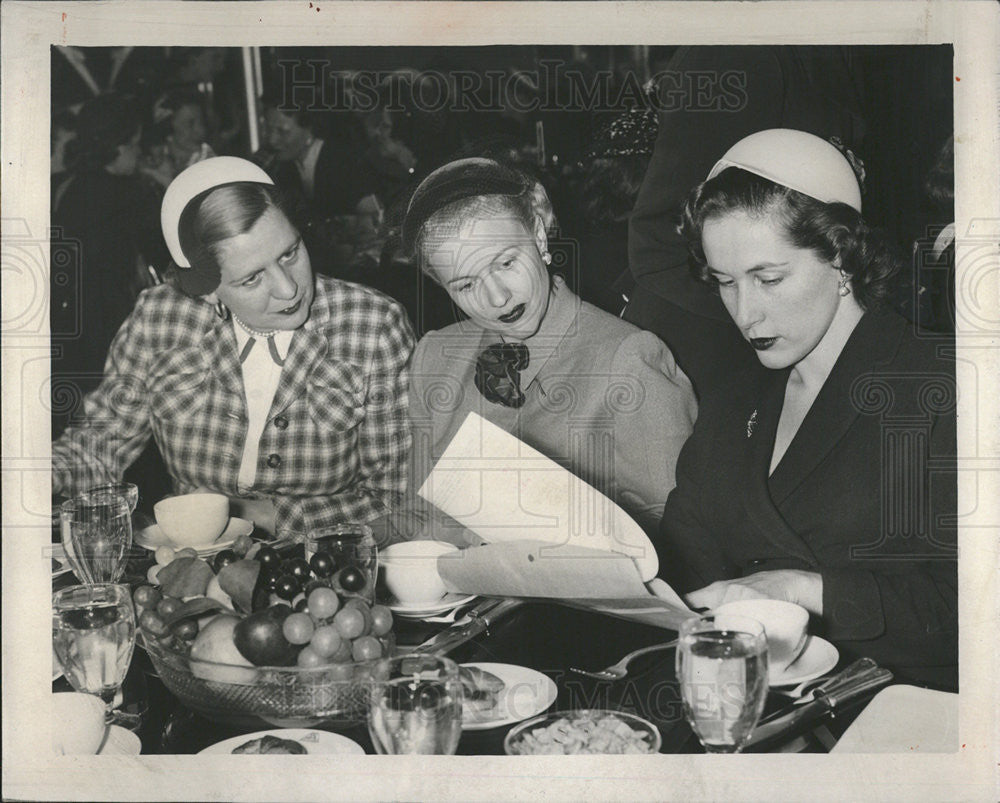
(106, 236)
(323, 172)
(612, 173)
(179, 136)
(391, 162)
(214, 74)
(933, 299)
(61, 143)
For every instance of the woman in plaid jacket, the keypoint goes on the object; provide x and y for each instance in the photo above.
(285, 391)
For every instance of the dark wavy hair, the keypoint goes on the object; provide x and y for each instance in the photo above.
(829, 230)
(104, 123)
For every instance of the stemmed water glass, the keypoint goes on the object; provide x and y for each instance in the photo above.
(722, 670)
(415, 706)
(127, 489)
(93, 635)
(96, 529)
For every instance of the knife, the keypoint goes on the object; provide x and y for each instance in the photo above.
(859, 667)
(855, 681)
(481, 617)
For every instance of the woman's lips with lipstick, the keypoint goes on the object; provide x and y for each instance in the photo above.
(762, 343)
(513, 315)
(292, 309)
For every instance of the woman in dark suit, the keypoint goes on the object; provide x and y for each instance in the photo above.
(827, 476)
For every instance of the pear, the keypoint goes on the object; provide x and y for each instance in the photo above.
(214, 643)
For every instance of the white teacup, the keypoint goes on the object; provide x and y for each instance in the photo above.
(410, 570)
(784, 626)
(192, 519)
(77, 724)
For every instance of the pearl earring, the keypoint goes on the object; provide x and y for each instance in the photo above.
(843, 289)
(546, 257)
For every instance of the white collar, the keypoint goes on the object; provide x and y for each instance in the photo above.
(282, 339)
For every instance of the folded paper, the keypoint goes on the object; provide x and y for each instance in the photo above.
(547, 533)
(504, 490)
(606, 582)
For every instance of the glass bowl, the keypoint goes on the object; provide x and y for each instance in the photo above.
(583, 731)
(335, 695)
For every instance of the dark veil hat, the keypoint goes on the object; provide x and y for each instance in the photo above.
(455, 181)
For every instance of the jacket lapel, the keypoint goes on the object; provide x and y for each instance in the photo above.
(834, 410)
(220, 345)
(758, 431)
(307, 349)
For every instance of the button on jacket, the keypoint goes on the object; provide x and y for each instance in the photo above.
(337, 438)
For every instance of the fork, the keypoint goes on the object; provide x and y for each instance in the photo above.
(452, 616)
(619, 670)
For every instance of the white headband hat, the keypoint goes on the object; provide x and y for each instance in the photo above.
(191, 182)
(797, 160)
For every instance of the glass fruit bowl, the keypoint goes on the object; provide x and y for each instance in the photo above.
(333, 695)
(583, 731)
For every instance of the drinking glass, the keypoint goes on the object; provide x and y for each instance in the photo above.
(415, 706)
(96, 535)
(722, 671)
(93, 635)
(127, 489)
(353, 554)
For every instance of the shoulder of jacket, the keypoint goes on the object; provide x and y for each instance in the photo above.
(164, 302)
(332, 293)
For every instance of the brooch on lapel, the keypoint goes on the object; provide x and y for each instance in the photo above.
(751, 423)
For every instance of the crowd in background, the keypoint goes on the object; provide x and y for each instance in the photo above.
(126, 120)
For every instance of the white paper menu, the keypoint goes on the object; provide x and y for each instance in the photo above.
(504, 490)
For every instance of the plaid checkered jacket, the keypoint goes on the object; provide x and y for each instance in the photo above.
(336, 441)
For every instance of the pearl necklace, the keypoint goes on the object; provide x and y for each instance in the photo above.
(254, 332)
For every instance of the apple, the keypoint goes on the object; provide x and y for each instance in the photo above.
(261, 640)
(214, 643)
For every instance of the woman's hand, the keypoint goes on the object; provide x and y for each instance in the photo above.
(791, 585)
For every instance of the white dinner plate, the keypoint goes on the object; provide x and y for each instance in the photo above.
(120, 742)
(526, 694)
(818, 658)
(315, 742)
(152, 537)
(420, 610)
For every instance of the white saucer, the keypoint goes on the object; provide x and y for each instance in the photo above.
(315, 742)
(152, 537)
(526, 694)
(120, 742)
(421, 609)
(818, 658)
